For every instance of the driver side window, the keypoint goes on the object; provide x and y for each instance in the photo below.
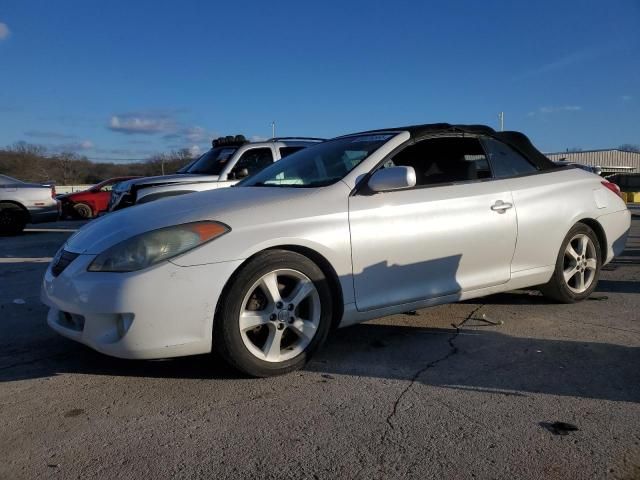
(444, 160)
(253, 160)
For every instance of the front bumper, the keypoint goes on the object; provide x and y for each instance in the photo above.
(160, 312)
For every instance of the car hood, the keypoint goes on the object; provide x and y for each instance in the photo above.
(166, 179)
(232, 206)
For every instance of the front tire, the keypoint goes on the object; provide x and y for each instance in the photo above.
(577, 266)
(83, 211)
(275, 313)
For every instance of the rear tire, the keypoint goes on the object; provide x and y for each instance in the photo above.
(274, 314)
(83, 211)
(577, 269)
(12, 220)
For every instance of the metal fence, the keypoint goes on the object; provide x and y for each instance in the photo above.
(71, 188)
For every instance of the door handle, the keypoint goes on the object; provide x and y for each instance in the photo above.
(501, 206)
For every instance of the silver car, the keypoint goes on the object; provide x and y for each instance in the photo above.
(22, 203)
(358, 227)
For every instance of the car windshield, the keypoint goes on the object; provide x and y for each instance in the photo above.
(7, 180)
(212, 162)
(319, 165)
(185, 168)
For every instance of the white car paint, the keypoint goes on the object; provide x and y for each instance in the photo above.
(391, 252)
(36, 199)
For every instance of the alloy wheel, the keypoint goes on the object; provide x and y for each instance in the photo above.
(580, 263)
(280, 315)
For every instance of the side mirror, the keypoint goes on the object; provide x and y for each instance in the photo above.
(392, 178)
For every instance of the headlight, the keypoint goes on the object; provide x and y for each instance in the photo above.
(155, 246)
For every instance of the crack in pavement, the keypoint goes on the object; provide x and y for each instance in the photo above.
(453, 350)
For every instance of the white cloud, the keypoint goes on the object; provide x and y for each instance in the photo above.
(548, 110)
(195, 150)
(4, 31)
(258, 138)
(626, 98)
(566, 108)
(190, 135)
(136, 123)
(570, 60)
(195, 134)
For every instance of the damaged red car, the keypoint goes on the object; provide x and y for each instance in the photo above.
(89, 203)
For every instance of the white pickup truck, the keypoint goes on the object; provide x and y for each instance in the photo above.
(22, 203)
(230, 160)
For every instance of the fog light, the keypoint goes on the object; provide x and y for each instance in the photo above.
(123, 323)
(71, 320)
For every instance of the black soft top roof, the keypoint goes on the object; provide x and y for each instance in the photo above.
(418, 131)
(516, 140)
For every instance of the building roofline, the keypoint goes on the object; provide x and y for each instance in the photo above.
(592, 151)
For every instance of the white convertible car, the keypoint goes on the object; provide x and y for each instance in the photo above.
(358, 227)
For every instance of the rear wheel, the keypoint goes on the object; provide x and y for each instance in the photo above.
(12, 219)
(83, 210)
(577, 266)
(274, 315)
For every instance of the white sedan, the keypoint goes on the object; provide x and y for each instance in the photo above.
(358, 227)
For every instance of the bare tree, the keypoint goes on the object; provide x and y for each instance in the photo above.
(32, 163)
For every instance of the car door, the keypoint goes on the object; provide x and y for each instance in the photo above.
(455, 231)
(540, 198)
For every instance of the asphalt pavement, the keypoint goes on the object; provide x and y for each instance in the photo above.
(509, 386)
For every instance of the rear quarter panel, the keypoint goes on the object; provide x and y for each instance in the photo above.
(548, 205)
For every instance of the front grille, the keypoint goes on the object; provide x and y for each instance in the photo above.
(62, 261)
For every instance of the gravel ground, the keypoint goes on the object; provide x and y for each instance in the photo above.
(405, 396)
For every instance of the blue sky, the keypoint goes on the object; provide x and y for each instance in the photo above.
(124, 79)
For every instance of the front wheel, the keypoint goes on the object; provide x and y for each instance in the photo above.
(577, 266)
(274, 315)
(83, 211)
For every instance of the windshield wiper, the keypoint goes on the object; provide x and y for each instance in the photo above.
(263, 184)
(318, 183)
